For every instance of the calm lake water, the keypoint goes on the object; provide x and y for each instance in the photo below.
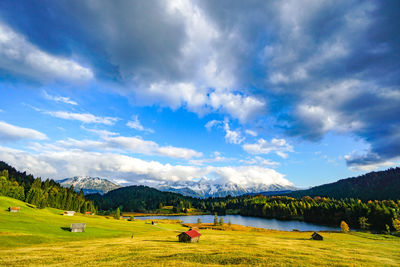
(250, 221)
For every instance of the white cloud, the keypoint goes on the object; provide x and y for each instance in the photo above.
(238, 106)
(68, 163)
(232, 136)
(121, 144)
(19, 56)
(83, 117)
(10, 132)
(278, 146)
(101, 133)
(62, 99)
(216, 158)
(260, 161)
(249, 175)
(251, 132)
(135, 124)
(209, 125)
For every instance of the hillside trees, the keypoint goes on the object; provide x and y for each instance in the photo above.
(41, 194)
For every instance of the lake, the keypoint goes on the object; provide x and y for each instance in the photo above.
(250, 221)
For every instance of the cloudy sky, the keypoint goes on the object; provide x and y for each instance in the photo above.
(302, 92)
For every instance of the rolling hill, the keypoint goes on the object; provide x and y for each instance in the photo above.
(374, 185)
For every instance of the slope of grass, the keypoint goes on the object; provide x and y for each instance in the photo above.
(35, 237)
(33, 226)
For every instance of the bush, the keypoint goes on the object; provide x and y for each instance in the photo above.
(396, 225)
(345, 228)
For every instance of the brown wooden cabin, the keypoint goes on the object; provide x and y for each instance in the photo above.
(191, 236)
(316, 236)
(14, 209)
(78, 227)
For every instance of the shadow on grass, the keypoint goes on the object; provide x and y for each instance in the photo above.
(66, 229)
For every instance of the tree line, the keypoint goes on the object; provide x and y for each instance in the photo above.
(41, 194)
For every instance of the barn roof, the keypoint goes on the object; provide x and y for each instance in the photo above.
(192, 233)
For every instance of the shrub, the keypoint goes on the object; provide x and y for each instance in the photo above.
(345, 228)
(396, 225)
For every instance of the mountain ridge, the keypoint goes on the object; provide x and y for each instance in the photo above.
(206, 189)
(89, 185)
(377, 185)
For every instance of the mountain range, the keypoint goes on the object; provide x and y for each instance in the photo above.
(89, 185)
(204, 188)
(374, 185)
(199, 189)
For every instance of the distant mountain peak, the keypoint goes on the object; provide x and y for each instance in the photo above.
(89, 184)
(206, 188)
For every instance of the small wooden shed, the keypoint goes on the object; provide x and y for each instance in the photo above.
(78, 227)
(316, 236)
(14, 209)
(89, 213)
(191, 236)
(69, 213)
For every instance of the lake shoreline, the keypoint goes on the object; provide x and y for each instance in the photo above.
(247, 221)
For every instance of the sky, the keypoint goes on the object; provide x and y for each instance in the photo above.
(149, 92)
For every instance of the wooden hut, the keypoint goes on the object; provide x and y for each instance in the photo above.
(190, 236)
(14, 209)
(78, 227)
(316, 236)
(69, 213)
(89, 213)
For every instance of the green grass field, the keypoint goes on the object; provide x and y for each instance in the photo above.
(38, 237)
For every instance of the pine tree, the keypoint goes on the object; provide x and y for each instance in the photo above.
(363, 223)
(229, 223)
(117, 214)
(221, 221)
(198, 220)
(215, 220)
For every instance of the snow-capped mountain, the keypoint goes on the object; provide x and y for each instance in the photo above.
(89, 185)
(204, 189)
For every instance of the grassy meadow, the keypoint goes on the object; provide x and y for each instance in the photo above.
(40, 237)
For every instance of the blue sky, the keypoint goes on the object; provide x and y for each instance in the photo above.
(148, 92)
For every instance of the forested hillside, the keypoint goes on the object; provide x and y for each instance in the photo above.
(371, 186)
(49, 193)
(140, 199)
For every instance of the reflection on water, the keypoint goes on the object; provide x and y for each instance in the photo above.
(251, 221)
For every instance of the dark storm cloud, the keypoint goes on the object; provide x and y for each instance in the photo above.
(118, 38)
(321, 66)
(335, 65)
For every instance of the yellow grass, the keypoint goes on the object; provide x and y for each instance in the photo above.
(157, 245)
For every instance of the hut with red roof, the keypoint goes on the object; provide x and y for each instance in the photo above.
(14, 209)
(191, 236)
